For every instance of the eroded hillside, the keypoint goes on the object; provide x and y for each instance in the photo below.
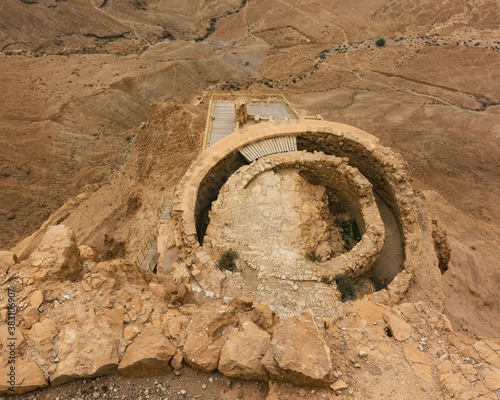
(80, 80)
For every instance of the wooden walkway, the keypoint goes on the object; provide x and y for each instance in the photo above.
(223, 121)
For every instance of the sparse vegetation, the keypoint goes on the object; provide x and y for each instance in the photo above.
(350, 232)
(226, 262)
(128, 138)
(313, 255)
(327, 279)
(345, 284)
(380, 43)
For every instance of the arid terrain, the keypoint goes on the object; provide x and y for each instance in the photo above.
(103, 107)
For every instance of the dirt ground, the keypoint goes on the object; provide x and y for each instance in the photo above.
(80, 79)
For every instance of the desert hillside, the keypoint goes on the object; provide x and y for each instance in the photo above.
(103, 107)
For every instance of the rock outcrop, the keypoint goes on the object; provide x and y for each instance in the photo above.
(57, 257)
(7, 260)
(25, 377)
(298, 354)
(148, 355)
(207, 335)
(241, 357)
(89, 348)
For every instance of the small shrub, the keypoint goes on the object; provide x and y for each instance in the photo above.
(380, 43)
(227, 260)
(128, 138)
(345, 285)
(350, 232)
(313, 255)
(327, 279)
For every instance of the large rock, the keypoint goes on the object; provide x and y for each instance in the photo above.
(263, 316)
(89, 348)
(36, 299)
(399, 328)
(27, 376)
(30, 316)
(206, 335)
(88, 253)
(7, 260)
(57, 256)
(241, 357)
(298, 354)
(42, 335)
(148, 355)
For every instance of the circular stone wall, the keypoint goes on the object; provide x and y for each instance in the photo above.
(385, 170)
(273, 225)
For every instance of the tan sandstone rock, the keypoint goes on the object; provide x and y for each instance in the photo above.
(263, 316)
(36, 299)
(6, 337)
(57, 256)
(399, 328)
(41, 335)
(338, 386)
(89, 348)
(7, 260)
(148, 355)
(28, 376)
(368, 311)
(206, 335)
(413, 354)
(242, 355)
(298, 354)
(131, 331)
(30, 316)
(88, 253)
(489, 351)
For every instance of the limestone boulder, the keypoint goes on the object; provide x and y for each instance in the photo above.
(36, 299)
(148, 355)
(30, 316)
(88, 253)
(89, 347)
(368, 311)
(57, 257)
(26, 376)
(298, 354)
(42, 335)
(206, 335)
(7, 260)
(489, 350)
(399, 328)
(131, 331)
(241, 357)
(264, 317)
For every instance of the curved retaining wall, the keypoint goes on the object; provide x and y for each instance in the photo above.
(382, 167)
(348, 184)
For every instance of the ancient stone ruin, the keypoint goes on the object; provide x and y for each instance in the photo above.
(272, 269)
